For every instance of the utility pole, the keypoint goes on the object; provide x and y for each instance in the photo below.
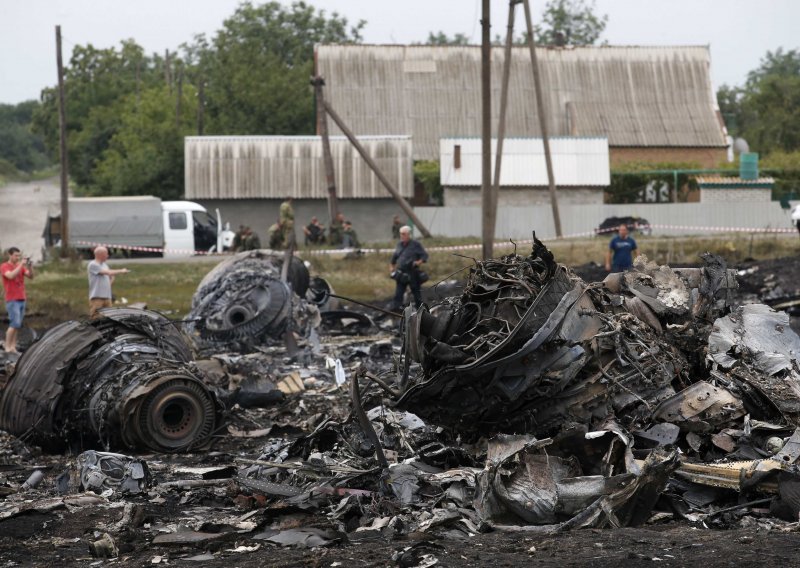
(322, 129)
(168, 70)
(376, 170)
(487, 223)
(62, 149)
(501, 127)
(542, 120)
(201, 104)
(179, 99)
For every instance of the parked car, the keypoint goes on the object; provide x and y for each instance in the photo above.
(635, 224)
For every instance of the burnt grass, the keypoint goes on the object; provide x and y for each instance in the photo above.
(62, 536)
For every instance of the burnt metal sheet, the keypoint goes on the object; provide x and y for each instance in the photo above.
(701, 407)
(758, 334)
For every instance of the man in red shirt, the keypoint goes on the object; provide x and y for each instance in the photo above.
(14, 273)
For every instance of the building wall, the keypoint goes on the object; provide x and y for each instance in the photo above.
(709, 158)
(729, 195)
(522, 196)
(580, 220)
(274, 167)
(371, 218)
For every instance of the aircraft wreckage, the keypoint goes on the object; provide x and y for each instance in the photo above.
(532, 401)
(247, 300)
(125, 379)
(529, 347)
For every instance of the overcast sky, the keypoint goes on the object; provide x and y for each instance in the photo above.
(739, 31)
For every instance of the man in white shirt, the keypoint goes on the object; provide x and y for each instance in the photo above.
(100, 279)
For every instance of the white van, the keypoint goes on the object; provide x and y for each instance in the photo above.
(140, 225)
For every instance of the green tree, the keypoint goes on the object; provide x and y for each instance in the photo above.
(427, 173)
(441, 38)
(766, 110)
(145, 154)
(95, 83)
(257, 67)
(570, 22)
(19, 146)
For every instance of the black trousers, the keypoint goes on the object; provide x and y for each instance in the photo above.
(400, 290)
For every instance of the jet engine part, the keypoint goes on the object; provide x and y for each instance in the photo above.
(529, 347)
(123, 380)
(243, 302)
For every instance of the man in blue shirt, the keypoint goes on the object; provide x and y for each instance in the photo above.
(623, 248)
(408, 256)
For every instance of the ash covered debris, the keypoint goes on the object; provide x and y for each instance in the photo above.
(243, 302)
(533, 402)
(529, 346)
(125, 380)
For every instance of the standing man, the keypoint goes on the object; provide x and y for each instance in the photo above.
(101, 277)
(396, 224)
(623, 249)
(335, 230)
(406, 260)
(14, 273)
(286, 221)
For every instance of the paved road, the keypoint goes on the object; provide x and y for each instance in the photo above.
(23, 211)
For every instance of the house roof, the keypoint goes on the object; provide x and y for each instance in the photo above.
(275, 167)
(720, 182)
(634, 96)
(577, 162)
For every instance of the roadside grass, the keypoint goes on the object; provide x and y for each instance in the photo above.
(59, 291)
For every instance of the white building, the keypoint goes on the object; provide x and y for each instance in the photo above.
(580, 167)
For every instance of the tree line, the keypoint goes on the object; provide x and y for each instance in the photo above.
(127, 111)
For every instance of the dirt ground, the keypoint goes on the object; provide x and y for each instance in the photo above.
(671, 545)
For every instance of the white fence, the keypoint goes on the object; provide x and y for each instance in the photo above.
(668, 219)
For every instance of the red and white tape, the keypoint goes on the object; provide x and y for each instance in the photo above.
(476, 246)
(147, 249)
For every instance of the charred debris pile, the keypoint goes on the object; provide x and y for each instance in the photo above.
(533, 401)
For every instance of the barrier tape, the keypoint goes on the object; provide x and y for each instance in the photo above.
(150, 249)
(477, 246)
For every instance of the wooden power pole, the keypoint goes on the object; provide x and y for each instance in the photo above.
(322, 129)
(501, 123)
(62, 149)
(377, 171)
(487, 224)
(537, 84)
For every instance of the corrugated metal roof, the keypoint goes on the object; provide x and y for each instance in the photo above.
(733, 181)
(275, 167)
(635, 96)
(577, 162)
